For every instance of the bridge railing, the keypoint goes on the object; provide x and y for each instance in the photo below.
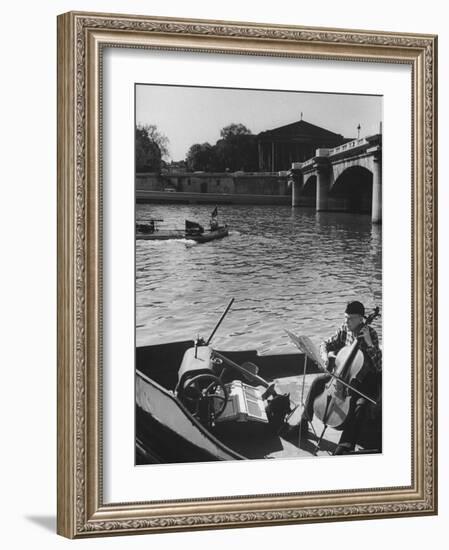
(329, 153)
(347, 146)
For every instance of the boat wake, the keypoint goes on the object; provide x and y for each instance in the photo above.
(163, 243)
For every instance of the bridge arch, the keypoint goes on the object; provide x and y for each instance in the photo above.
(308, 190)
(309, 186)
(352, 190)
(346, 178)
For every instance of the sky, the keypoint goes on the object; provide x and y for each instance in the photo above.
(188, 115)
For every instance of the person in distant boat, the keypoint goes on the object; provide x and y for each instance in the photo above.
(214, 219)
(360, 409)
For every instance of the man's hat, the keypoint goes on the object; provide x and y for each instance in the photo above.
(355, 308)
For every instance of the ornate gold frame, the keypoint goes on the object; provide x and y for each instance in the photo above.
(81, 37)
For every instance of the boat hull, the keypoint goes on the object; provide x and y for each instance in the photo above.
(166, 432)
(205, 237)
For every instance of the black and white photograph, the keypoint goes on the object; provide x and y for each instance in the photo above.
(221, 273)
(258, 265)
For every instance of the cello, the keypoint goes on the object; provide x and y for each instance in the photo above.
(333, 405)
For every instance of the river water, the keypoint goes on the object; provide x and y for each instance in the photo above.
(286, 268)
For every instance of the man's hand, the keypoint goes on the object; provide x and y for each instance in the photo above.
(366, 336)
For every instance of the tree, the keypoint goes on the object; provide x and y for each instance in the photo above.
(233, 130)
(237, 149)
(201, 156)
(151, 148)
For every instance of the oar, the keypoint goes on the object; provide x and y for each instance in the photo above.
(248, 374)
(220, 321)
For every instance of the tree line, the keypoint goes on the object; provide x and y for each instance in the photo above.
(235, 150)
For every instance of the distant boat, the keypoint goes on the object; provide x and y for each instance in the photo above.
(193, 231)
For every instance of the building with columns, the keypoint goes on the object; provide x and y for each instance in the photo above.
(296, 142)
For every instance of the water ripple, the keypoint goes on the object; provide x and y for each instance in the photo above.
(286, 268)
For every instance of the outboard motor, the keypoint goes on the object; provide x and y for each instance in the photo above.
(199, 388)
(196, 360)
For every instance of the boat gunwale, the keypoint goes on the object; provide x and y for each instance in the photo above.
(191, 418)
(169, 234)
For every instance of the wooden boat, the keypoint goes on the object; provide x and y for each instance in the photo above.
(162, 235)
(212, 235)
(196, 404)
(150, 232)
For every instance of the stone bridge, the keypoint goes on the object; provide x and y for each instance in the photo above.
(346, 178)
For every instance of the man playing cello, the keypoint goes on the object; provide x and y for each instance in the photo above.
(359, 408)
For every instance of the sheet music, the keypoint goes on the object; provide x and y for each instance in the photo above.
(305, 344)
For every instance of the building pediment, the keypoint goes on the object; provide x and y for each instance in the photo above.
(300, 131)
